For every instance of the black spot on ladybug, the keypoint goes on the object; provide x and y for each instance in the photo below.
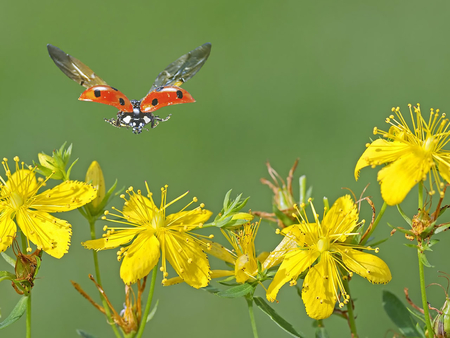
(122, 102)
(159, 88)
(97, 93)
(115, 89)
(154, 102)
(179, 94)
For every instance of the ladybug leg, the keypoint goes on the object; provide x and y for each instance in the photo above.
(158, 119)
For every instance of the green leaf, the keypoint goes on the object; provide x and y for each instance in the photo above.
(84, 334)
(414, 246)
(282, 217)
(378, 242)
(9, 260)
(399, 314)
(210, 289)
(442, 228)
(236, 291)
(405, 231)
(321, 332)
(152, 313)
(406, 218)
(16, 313)
(5, 275)
(424, 260)
(280, 321)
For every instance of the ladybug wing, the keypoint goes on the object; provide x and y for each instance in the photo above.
(74, 68)
(183, 68)
(107, 95)
(164, 96)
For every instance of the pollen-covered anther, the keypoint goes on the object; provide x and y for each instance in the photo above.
(161, 268)
(103, 217)
(387, 120)
(377, 250)
(189, 260)
(202, 205)
(375, 130)
(122, 196)
(208, 246)
(211, 236)
(350, 274)
(277, 231)
(341, 305)
(165, 274)
(293, 283)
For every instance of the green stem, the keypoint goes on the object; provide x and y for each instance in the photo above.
(149, 303)
(374, 225)
(28, 324)
(29, 316)
(252, 317)
(421, 195)
(424, 296)
(350, 314)
(99, 282)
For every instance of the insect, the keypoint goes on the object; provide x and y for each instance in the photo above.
(136, 114)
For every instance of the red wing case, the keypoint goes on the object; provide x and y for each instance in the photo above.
(165, 96)
(107, 95)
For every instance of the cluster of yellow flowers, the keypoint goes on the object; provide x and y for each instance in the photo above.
(325, 250)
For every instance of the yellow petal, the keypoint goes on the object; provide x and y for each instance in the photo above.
(140, 258)
(374, 269)
(381, 151)
(290, 241)
(23, 182)
(48, 233)
(293, 265)
(186, 257)
(318, 288)
(219, 251)
(7, 230)
(397, 179)
(139, 209)
(66, 196)
(444, 170)
(112, 241)
(341, 218)
(188, 219)
(245, 268)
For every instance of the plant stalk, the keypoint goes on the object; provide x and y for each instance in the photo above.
(99, 282)
(424, 297)
(28, 324)
(252, 317)
(149, 303)
(350, 313)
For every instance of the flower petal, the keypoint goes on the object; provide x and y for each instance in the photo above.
(381, 151)
(318, 291)
(66, 196)
(23, 182)
(139, 209)
(186, 257)
(293, 265)
(397, 179)
(113, 240)
(374, 269)
(444, 168)
(341, 218)
(49, 233)
(214, 274)
(140, 258)
(7, 230)
(292, 237)
(188, 219)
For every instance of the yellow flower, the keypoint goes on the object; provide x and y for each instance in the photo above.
(153, 233)
(21, 206)
(327, 243)
(410, 154)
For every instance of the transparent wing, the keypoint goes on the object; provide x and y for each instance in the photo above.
(183, 68)
(74, 68)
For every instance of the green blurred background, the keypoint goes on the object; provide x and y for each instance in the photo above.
(285, 79)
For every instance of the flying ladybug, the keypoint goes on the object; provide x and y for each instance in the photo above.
(136, 114)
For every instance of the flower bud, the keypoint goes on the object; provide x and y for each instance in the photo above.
(94, 176)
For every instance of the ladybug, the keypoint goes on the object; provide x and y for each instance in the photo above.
(136, 114)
